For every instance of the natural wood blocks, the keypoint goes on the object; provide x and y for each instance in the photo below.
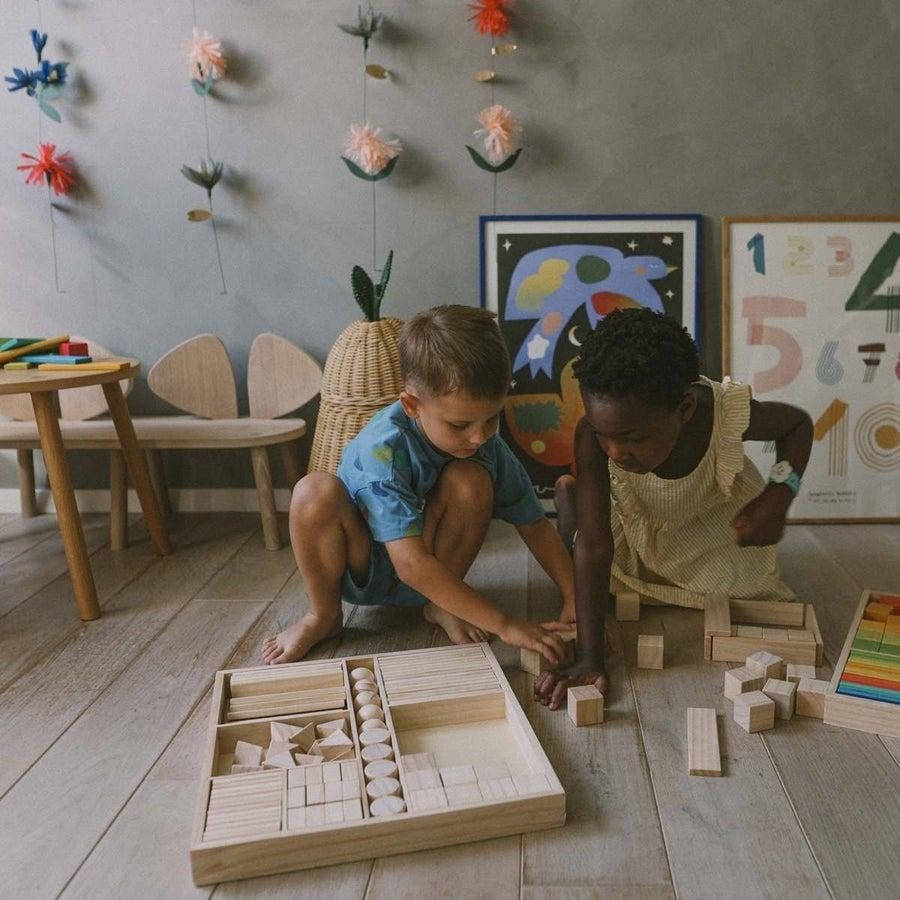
(703, 753)
(650, 649)
(585, 705)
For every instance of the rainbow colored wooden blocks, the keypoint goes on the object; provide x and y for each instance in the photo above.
(865, 690)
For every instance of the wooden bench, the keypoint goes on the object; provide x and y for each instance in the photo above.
(197, 378)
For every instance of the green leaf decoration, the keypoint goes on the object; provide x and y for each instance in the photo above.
(535, 418)
(363, 292)
(207, 176)
(383, 283)
(482, 163)
(365, 176)
(51, 91)
(49, 111)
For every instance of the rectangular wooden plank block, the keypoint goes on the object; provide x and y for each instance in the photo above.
(704, 757)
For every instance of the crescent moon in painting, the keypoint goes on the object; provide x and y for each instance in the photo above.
(572, 339)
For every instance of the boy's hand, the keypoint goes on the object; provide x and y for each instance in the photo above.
(761, 522)
(550, 687)
(532, 636)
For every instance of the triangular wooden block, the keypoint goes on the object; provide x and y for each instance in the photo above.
(277, 747)
(305, 737)
(335, 739)
(327, 728)
(283, 760)
(247, 754)
(304, 759)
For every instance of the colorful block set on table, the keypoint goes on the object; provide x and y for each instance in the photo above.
(872, 670)
(52, 354)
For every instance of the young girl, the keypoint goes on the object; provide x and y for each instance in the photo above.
(665, 502)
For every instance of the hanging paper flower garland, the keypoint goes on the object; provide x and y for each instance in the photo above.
(501, 135)
(56, 171)
(206, 65)
(367, 155)
(490, 16)
(45, 83)
(366, 25)
(206, 61)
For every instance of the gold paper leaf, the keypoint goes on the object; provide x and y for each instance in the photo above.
(375, 71)
(485, 75)
(199, 215)
(501, 49)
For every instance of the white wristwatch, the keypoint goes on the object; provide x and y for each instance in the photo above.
(783, 473)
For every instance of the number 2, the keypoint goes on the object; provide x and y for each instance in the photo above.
(794, 262)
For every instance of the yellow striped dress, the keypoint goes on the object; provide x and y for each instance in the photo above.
(673, 537)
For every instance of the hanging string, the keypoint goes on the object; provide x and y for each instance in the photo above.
(365, 77)
(494, 175)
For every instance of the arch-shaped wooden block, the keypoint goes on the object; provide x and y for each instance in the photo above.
(75, 405)
(196, 376)
(280, 377)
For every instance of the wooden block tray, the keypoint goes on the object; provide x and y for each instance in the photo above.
(457, 761)
(735, 629)
(865, 689)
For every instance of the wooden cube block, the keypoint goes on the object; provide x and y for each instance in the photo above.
(423, 779)
(331, 771)
(428, 798)
(748, 631)
(452, 775)
(296, 797)
(704, 757)
(498, 788)
(334, 813)
(352, 810)
(650, 651)
(314, 775)
(532, 662)
(414, 761)
(811, 697)
(796, 672)
(766, 664)
(315, 815)
(489, 771)
(315, 794)
(462, 794)
(350, 790)
(628, 606)
(754, 711)
(349, 771)
(334, 791)
(783, 694)
(742, 681)
(585, 705)
(532, 783)
(296, 818)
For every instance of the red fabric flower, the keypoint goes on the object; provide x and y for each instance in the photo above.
(490, 16)
(54, 168)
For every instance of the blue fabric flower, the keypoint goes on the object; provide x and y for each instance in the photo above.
(39, 41)
(52, 73)
(22, 78)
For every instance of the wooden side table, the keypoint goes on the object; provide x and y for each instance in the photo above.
(43, 386)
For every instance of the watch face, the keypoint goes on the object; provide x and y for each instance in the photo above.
(781, 471)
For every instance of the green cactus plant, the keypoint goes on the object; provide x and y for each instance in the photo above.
(367, 294)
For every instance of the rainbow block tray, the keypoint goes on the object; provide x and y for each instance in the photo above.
(865, 689)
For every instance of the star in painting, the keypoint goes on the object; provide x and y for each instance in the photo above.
(506, 245)
(667, 240)
(670, 294)
(537, 347)
(632, 245)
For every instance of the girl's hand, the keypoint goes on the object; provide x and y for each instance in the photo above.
(550, 687)
(761, 522)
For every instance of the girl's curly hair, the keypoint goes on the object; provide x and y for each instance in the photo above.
(639, 353)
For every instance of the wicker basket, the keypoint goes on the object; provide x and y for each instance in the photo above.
(362, 375)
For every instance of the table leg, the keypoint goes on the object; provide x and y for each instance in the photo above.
(44, 403)
(137, 467)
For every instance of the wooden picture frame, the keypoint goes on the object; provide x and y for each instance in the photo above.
(811, 316)
(547, 283)
(451, 703)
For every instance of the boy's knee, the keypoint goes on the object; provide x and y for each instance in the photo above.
(316, 496)
(468, 484)
(565, 484)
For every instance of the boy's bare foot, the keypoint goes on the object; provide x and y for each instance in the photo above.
(296, 641)
(458, 630)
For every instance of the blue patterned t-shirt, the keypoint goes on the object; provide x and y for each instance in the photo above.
(390, 467)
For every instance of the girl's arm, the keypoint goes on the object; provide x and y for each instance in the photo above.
(546, 546)
(593, 559)
(761, 521)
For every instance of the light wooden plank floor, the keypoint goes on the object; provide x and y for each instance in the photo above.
(101, 729)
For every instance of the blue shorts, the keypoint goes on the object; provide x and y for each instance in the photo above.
(382, 587)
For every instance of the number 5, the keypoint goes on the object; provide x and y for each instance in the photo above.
(790, 355)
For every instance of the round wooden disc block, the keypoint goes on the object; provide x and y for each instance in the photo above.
(387, 806)
(361, 686)
(366, 698)
(369, 724)
(381, 768)
(370, 711)
(362, 674)
(383, 787)
(376, 751)
(375, 736)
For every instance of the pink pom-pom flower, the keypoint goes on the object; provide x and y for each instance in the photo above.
(205, 56)
(365, 147)
(501, 132)
(47, 166)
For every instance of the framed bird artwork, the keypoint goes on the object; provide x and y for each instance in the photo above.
(550, 279)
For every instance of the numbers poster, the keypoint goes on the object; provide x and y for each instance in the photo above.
(812, 318)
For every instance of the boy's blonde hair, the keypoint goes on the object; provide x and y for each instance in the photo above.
(455, 348)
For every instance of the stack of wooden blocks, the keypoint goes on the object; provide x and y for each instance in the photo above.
(57, 354)
(323, 795)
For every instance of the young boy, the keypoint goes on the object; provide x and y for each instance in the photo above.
(415, 492)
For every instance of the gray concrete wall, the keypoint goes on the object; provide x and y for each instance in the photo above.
(629, 106)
